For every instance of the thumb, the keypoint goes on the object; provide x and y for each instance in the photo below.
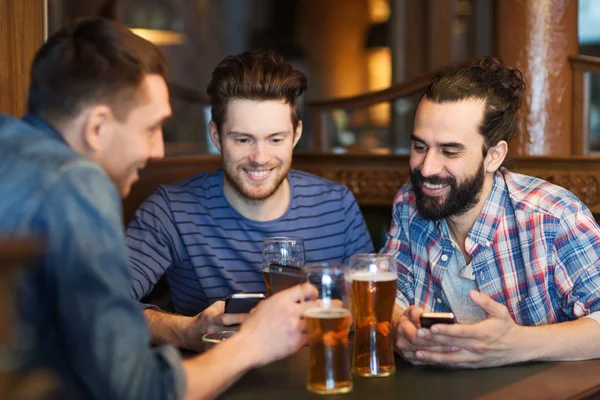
(487, 304)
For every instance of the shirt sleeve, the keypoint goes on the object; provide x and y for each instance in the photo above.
(577, 267)
(104, 334)
(397, 244)
(150, 237)
(356, 235)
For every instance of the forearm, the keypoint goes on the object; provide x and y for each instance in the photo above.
(566, 341)
(210, 373)
(167, 328)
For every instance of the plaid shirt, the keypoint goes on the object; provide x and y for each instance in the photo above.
(535, 248)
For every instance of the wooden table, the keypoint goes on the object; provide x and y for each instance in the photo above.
(285, 380)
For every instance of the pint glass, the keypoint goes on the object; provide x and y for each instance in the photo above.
(373, 278)
(328, 326)
(283, 263)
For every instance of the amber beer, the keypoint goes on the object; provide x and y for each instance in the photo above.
(329, 371)
(280, 277)
(373, 298)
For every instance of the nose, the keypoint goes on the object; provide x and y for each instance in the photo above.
(431, 165)
(260, 153)
(157, 147)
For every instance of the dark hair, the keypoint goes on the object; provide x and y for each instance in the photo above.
(486, 79)
(255, 75)
(95, 61)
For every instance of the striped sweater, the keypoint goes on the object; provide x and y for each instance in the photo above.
(207, 250)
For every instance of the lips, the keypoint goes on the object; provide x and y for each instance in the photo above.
(258, 175)
(432, 186)
(434, 189)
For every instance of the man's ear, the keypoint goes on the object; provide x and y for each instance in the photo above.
(298, 133)
(96, 131)
(495, 156)
(214, 135)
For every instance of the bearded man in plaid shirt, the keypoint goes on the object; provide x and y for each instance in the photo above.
(515, 258)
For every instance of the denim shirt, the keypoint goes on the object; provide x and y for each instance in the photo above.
(76, 317)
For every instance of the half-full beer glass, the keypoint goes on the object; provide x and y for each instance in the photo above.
(373, 278)
(283, 263)
(328, 327)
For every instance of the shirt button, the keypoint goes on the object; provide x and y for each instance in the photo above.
(488, 244)
(481, 276)
(444, 258)
(439, 300)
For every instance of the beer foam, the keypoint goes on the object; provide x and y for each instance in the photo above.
(336, 312)
(374, 277)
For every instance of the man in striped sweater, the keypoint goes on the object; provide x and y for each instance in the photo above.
(206, 233)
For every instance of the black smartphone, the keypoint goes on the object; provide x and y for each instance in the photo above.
(242, 303)
(430, 318)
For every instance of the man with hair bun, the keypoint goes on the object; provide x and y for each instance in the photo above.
(515, 258)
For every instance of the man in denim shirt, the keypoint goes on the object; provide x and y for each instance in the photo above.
(97, 102)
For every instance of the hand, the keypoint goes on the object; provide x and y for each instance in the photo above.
(210, 320)
(410, 338)
(275, 328)
(489, 343)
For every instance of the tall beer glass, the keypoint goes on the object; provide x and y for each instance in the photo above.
(328, 327)
(373, 278)
(283, 263)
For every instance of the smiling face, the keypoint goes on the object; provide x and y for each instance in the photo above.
(129, 144)
(256, 144)
(448, 168)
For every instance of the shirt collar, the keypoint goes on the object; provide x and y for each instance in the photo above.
(486, 225)
(43, 126)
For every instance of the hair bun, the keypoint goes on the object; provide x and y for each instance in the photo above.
(510, 78)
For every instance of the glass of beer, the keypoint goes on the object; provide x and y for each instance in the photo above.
(283, 263)
(328, 326)
(373, 278)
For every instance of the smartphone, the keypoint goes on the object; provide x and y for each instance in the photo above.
(242, 303)
(430, 318)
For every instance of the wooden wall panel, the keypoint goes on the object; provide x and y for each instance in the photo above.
(21, 34)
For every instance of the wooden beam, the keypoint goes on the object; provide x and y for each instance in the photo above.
(21, 35)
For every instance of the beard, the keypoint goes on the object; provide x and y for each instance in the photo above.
(460, 199)
(256, 191)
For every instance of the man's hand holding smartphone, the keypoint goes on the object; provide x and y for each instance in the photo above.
(212, 319)
(412, 336)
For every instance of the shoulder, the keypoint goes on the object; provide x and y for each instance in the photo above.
(533, 195)
(200, 185)
(38, 152)
(305, 183)
(200, 181)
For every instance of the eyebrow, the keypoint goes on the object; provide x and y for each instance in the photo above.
(452, 145)
(249, 134)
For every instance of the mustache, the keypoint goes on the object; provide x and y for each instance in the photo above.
(434, 179)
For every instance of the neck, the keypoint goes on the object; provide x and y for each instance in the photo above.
(71, 133)
(461, 225)
(268, 209)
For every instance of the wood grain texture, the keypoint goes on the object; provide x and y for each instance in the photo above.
(375, 179)
(21, 34)
(569, 380)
